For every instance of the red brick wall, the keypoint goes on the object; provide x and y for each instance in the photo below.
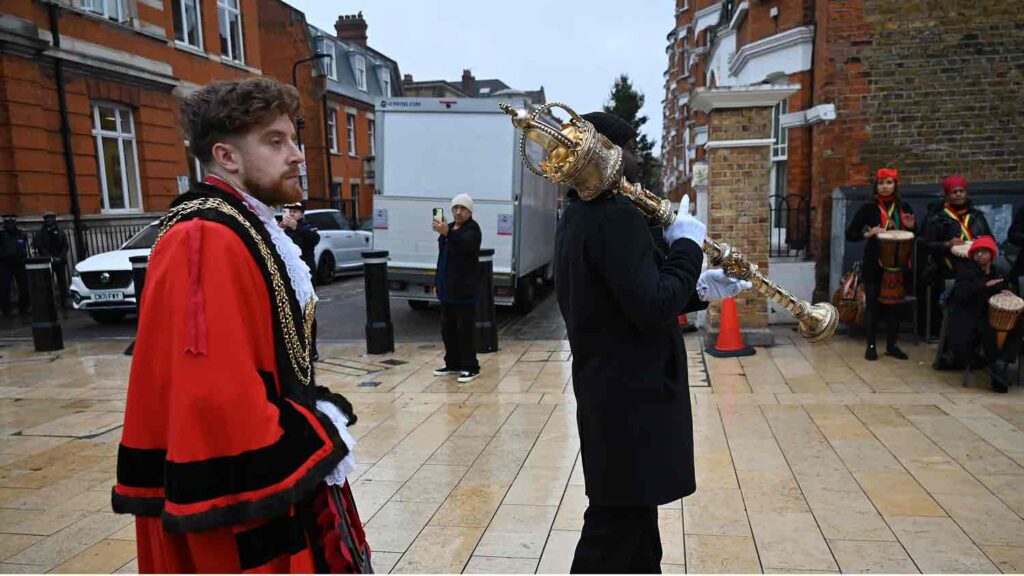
(32, 168)
(759, 25)
(932, 90)
(284, 28)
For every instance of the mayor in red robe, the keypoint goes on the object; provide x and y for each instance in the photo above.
(227, 441)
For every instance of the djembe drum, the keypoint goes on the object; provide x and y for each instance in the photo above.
(961, 250)
(1003, 310)
(894, 248)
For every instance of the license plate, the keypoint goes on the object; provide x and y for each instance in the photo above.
(107, 296)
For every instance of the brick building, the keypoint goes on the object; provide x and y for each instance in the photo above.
(468, 87)
(357, 78)
(923, 86)
(123, 66)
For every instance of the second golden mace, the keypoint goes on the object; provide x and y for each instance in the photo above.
(576, 154)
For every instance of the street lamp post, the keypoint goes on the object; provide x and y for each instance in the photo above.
(299, 122)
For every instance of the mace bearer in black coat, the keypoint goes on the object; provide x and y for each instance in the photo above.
(620, 297)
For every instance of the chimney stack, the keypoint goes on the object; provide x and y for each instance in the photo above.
(406, 79)
(351, 28)
(468, 82)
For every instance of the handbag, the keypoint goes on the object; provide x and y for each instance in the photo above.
(849, 297)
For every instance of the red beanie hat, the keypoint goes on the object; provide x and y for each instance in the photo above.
(954, 182)
(887, 173)
(983, 243)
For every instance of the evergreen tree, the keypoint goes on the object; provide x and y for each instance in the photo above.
(625, 102)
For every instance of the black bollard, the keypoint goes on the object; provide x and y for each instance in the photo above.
(139, 266)
(380, 333)
(47, 334)
(486, 326)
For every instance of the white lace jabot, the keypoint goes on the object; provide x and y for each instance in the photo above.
(289, 251)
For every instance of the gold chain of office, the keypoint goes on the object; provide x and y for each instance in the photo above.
(297, 352)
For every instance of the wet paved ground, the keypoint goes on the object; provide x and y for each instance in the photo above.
(808, 459)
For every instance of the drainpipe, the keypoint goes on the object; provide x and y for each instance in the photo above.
(327, 151)
(65, 134)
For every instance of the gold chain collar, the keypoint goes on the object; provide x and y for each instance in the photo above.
(298, 352)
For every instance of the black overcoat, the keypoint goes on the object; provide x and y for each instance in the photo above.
(620, 302)
(940, 228)
(463, 266)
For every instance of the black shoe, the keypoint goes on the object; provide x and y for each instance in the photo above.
(871, 353)
(895, 352)
(468, 376)
(445, 371)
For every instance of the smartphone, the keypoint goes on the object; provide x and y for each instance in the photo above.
(438, 214)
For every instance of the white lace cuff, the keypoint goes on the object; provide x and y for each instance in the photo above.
(347, 466)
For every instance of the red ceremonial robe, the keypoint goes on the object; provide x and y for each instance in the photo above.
(222, 453)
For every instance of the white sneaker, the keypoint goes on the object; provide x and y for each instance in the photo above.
(467, 376)
(445, 371)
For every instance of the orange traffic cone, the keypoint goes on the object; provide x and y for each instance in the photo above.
(730, 342)
(685, 326)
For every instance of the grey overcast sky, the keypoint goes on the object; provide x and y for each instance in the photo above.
(574, 48)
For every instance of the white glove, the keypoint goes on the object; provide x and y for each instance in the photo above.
(714, 285)
(685, 226)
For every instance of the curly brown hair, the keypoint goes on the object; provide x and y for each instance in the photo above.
(224, 109)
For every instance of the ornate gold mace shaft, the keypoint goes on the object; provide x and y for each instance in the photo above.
(578, 155)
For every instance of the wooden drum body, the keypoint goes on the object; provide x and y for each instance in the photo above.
(894, 250)
(1003, 311)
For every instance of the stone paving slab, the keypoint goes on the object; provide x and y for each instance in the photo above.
(809, 459)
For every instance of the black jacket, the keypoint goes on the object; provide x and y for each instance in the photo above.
(940, 228)
(1016, 237)
(50, 242)
(305, 237)
(620, 302)
(869, 216)
(13, 245)
(462, 270)
(968, 307)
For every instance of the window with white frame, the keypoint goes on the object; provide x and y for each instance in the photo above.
(350, 119)
(116, 157)
(372, 131)
(324, 45)
(188, 23)
(112, 9)
(780, 136)
(232, 42)
(332, 130)
(777, 184)
(359, 68)
(385, 82)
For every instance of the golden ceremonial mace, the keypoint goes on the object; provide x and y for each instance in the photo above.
(576, 154)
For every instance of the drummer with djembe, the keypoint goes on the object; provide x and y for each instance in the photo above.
(946, 235)
(983, 328)
(887, 224)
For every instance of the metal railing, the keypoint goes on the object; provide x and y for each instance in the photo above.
(99, 238)
(790, 226)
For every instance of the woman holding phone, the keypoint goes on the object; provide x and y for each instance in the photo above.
(457, 283)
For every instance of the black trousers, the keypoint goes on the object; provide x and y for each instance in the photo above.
(17, 272)
(873, 309)
(619, 540)
(458, 323)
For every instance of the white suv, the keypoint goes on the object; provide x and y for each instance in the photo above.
(341, 246)
(102, 284)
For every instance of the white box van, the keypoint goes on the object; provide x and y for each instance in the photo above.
(431, 149)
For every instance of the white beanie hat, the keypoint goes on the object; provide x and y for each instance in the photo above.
(463, 200)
